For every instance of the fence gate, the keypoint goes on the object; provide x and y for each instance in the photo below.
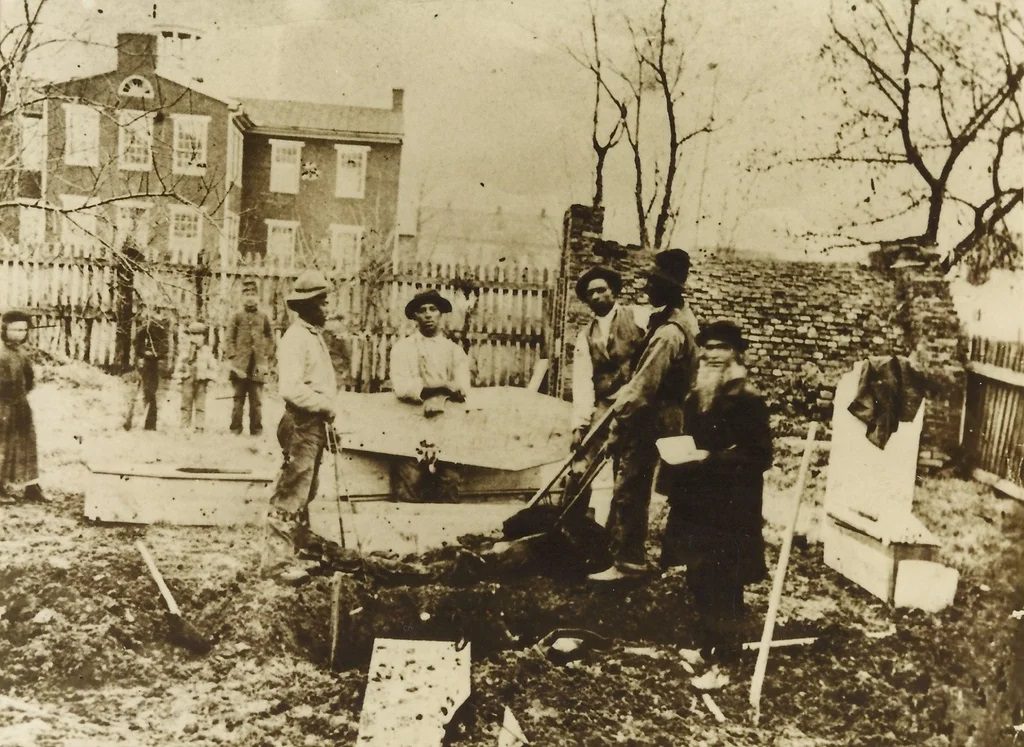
(993, 425)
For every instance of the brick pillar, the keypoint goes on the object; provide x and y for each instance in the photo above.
(581, 229)
(934, 337)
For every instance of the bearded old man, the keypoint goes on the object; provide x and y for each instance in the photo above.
(714, 522)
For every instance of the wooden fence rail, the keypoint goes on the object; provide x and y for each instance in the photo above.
(993, 424)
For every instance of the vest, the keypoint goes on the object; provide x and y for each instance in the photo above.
(613, 364)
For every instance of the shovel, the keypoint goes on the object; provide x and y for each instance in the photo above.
(180, 631)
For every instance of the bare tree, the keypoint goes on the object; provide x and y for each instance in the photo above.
(655, 70)
(941, 103)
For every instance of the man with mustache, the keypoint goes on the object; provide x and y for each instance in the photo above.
(427, 368)
(307, 383)
(648, 407)
(714, 521)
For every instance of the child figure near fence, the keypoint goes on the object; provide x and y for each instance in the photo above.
(195, 369)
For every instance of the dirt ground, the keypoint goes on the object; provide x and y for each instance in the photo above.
(85, 657)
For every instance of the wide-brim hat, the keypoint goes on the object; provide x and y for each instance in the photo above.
(725, 331)
(428, 296)
(310, 284)
(672, 266)
(16, 315)
(598, 272)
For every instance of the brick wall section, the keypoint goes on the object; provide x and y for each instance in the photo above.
(929, 318)
(808, 322)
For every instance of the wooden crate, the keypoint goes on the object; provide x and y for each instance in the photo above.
(868, 550)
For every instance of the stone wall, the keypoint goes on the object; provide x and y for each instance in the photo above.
(808, 322)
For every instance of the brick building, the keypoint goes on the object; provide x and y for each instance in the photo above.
(143, 156)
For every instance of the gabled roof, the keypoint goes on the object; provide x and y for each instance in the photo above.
(360, 122)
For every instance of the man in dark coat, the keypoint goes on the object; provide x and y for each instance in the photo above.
(151, 349)
(648, 407)
(249, 344)
(714, 522)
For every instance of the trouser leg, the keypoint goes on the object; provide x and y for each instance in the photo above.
(187, 399)
(406, 478)
(150, 384)
(302, 440)
(627, 517)
(718, 598)
(199, 404)
(255, 390)
(239, 387)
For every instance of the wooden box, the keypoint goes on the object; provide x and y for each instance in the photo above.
(868, 550)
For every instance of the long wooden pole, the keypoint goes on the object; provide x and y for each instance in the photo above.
(780, 577)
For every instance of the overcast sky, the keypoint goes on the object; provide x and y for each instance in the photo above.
(498, 113)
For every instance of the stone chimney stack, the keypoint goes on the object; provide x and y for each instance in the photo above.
(136, 52)
(397, 99)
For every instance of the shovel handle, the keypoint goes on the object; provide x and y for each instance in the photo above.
(172, 606)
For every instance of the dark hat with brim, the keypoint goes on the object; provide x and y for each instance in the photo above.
(672, 266)
(725, 331)
(310, 284)
(598, 272)
(428, 296)
(16, 315)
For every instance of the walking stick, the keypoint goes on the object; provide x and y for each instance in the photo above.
(779, 579)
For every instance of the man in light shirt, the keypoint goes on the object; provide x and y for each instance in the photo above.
(427, 368)
(306, 381)
(603, 356)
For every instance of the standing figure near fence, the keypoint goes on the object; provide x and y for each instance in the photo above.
(248, 348)
(19, 460)
(195, 369)
(151, 350)
(308, 387)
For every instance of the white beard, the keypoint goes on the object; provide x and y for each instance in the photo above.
(711, 379)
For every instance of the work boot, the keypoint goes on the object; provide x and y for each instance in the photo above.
(34, 494)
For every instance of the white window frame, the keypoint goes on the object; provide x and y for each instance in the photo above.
(146, 88)
(347, 265)
(184, 248)
(81, 135)
(121, 231)
(33, 143)
(288, 253)
(284, 174)
(229, 237)
(78, 228)
(182, 161)
(344, 151)
(234, 167)
(131, 124)
(31, 226)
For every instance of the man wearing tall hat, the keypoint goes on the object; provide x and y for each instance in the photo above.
(604, 353)
(648, 407)
(248, 347)
(429, 369)
(307, 384)
(714, 521)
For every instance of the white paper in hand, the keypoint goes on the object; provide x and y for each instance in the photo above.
(677, 449)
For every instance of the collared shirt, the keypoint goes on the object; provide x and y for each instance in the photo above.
(305, 372)
(419, 362)
(583, 398)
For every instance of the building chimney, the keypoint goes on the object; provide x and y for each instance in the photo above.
(136, 52)
(397, 96)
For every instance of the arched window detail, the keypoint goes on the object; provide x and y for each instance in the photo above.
(136, 85)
